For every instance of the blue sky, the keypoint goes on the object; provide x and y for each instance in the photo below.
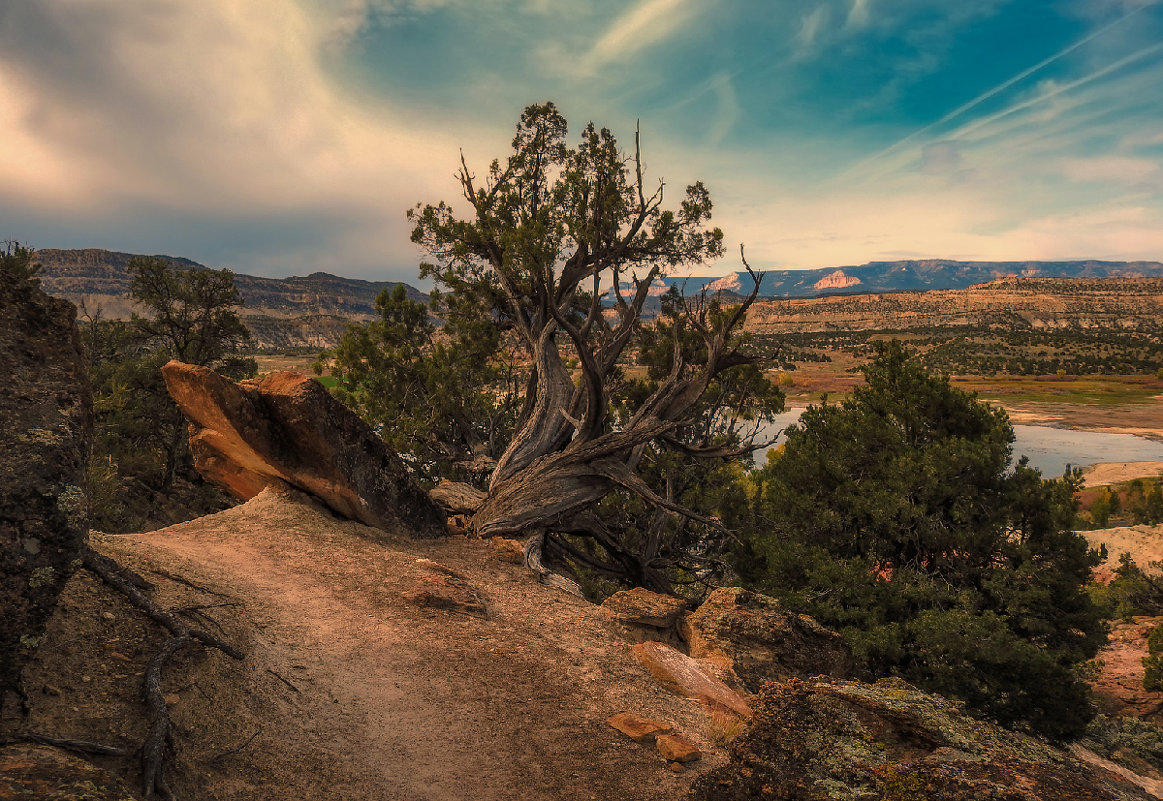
(280, 137)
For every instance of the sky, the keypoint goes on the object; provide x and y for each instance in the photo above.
(281, 137)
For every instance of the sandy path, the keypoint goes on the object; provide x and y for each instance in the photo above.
(400, 703)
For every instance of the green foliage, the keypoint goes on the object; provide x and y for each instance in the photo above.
(895, 519)
(140, 446)
(1153, 661)
(1131, 592)
(16, 263)
(437, 397)
(1144, 503)
(1127, 741)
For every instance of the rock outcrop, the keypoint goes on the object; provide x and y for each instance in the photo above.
(684, 676)
(822, 740)
(286, 428)
(750, 639)
(644, 615)
(44, 447)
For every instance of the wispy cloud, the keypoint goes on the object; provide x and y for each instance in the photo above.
(999, 88)
(645, 25)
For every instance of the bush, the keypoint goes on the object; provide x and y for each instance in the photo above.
(896, 519)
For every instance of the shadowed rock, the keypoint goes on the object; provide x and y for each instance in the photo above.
(751, 639)
(822, 740)
(44, 445)
(286, 428)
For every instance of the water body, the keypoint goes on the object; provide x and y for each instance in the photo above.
(1052, 449)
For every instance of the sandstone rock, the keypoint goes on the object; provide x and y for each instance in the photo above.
(751, 639)
(676, 748)
(444, 591)
(503, 549)
(826, 739)
(44, 445)
(641, 607)
(49, 774)
(638, 728)
(286, 428)
(682, 676)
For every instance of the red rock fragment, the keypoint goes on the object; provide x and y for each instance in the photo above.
(682, 676)
(676, 748)
(638, 728)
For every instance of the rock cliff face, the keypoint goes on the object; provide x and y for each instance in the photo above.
(1128, 304)
(298, 312)
(44, 446)
(286, 428)
(824, 740)
(836, 280)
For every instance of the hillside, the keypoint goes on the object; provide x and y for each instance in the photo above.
(282, 313)
(1119, 304)
(347, 689)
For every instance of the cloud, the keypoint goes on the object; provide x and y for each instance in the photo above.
(858, 15)
(216, 111)
(645, 25)
(812, 25)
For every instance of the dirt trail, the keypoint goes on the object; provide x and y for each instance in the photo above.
(395, 702)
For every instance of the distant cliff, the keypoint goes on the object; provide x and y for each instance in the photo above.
(1127, 304)
(282, 313)
(917, 275)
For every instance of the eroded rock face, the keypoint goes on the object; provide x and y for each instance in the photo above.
(750, 639)
(286, 428)
(45, 435)
(821, 740)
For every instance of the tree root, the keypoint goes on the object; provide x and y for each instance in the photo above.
(534, 549)
(160, 734)
(79, 746)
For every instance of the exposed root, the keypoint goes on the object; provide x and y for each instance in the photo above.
(534, 548)
(78, 746)
(160, 735)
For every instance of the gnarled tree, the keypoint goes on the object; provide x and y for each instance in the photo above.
(547, 227)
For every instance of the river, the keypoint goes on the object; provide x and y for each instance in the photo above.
(1052, 449)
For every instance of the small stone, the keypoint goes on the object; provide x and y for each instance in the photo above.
(120, 657)
(638, 728)
(49, 689)
(86, 679)
(676, 767)
(108, 616)
(676, 748)
(172, 698)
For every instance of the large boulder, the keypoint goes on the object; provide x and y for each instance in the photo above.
(45, 435)
(750, 639)
(285, 428)
(825, 739)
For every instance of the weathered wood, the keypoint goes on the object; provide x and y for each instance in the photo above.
(456, 497)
